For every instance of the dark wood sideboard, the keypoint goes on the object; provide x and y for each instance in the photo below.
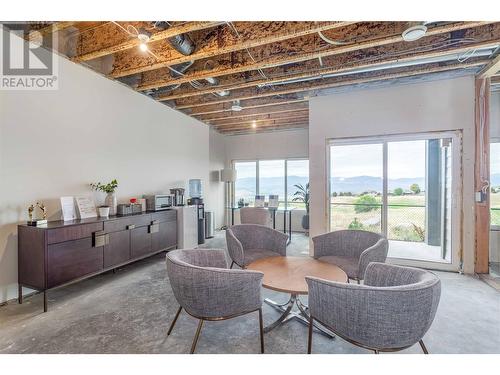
(60, 253)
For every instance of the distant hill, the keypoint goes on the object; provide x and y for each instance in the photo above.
(359, 184)
(355, 185)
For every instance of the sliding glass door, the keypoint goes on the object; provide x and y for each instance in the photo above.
(402, 187)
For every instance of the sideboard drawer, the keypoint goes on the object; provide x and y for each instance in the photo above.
(71, 260)
(74, 232)
(125, 223)
(168, 215)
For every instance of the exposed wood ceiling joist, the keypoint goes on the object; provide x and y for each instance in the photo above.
(338, 81)
(306, 49)
(249, 104)
(491, 69)
(301, 120)
(50, 29)
(222, 40)
(252, 113)
(273, 68)
(346, 63)
(262, 119)
(260, 129)
(120, 41)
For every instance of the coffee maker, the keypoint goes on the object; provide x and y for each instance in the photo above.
(177, 196)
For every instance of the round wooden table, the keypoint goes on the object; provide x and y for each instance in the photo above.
(287, 275)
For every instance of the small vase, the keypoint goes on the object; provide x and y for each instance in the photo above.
(103, 211)
(110, 201)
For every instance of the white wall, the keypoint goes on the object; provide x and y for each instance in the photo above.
(216, 186)
(54, 143)
(411, 108)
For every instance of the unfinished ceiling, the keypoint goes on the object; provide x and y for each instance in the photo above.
(243, 77)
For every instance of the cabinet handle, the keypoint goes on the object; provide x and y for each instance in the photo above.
(100, 238)
(131, 226)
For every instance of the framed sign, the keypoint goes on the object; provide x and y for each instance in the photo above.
(86, 207)
(68, 208)
(273, 201)
(260, 200)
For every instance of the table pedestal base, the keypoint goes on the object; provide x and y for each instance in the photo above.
(287, 315)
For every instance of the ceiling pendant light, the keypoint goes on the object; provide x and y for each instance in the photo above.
(236, 106)
(143, 36)
(414, 32)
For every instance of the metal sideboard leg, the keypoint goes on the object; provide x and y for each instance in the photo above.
(44, 301)
(20, 294)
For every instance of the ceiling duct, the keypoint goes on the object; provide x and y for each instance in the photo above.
(182, 43)
(179, 69)
(132, 81)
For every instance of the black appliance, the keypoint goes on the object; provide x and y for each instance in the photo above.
(198, 202)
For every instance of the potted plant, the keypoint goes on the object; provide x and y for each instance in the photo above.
(302, 195)
(109, 189)
(241, 203)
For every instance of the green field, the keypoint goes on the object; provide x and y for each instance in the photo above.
(495, 213)
(405, 216)
(404, 222)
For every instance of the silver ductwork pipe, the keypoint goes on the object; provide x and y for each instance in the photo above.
(181, 43)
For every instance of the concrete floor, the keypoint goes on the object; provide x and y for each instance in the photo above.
(130, 311)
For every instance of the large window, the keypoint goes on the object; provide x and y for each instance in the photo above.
(495, 182)
(245, 186)
(297, 175)
(400, 186)
(270, 177)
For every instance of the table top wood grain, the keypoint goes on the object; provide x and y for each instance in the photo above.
(287, 274)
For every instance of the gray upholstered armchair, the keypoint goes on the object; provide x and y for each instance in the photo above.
(255, 215)
(392, 310)
(249, 242)
(351, 250)
(207, 290)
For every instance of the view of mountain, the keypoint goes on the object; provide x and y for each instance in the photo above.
(359, 184)
(271, 185)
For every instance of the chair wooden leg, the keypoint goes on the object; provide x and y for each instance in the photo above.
(358, 281)
(376, 352)
(232, 264)
(310, 337)
(173, 322)
(424, 349)
(261, 329)
(196, 336)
